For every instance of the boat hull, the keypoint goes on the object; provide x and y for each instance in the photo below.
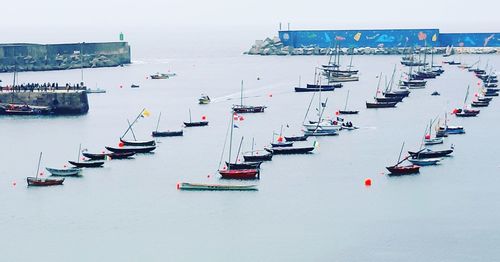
(290, 150)
(167, 133)
(403, 170)
(32, 181)
(240, 174)
(215, 187)
(64, 172)
(194, 124)
(137, 149)
(138, 143)
(87, 164)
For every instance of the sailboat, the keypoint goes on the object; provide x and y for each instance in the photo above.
(429, 140)
(465, 112)
(36, 181)
(135, 142)
(167, 133)
(242, 165)
(257, 155)
(204, 122)
(381, 102)
(246, 108)
(317, 85)
(345, 111)
(85, 163)
(321, 127)
(445, 130)
(230, 172)
(403, 170)
(334, 73)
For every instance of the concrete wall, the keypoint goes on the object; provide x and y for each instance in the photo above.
(470, 39)
(36, 57)
(386, 38)
(397, 38)
(62, 102)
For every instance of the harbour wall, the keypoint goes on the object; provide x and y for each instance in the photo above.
(369, 42)
(44, 57)
(61, 102)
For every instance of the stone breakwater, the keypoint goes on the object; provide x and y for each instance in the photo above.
(38, 57)
(60, 102)
(273, 46)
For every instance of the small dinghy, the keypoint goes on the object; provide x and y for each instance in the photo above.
(296, 138)
(215, 187)
(402, 170)
(282, 144)
(64, 171)
(290, 150)
(36, 181)
(257, 156)
(106, 156)
(87, 164)
(425, 162)
(204, 99)
(244, 165)
(196, 123)
(131, 149)
(240, 174)
(138, 143)
(427, 153)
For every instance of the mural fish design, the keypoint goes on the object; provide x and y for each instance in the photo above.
(385, 39)
(339, 38)
(372, 37)
(422, 36)
(488, 39)
(357, 36)
(434, 38)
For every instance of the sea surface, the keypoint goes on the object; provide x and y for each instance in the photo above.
(308, 208)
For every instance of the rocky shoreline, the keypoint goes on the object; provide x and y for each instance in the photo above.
(273, 46)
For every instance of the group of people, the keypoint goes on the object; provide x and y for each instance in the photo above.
(44, 87)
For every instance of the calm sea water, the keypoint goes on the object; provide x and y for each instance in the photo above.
(308, 207)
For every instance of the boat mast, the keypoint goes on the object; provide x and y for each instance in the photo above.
(81, 60)
(132, 130)
(239, 148)
(230, 140)
(253, 138)
(158, 123)
(38, 168)
(309, 107)
(350, 62)
(190, 115)
(466, 95)
(378, 85)
(400, 152)
(346, 99)
(79, 150)
(130, 125)
(241, 95)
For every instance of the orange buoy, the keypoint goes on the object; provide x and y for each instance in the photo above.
(368, 182)
(121, 144)
(241, 118)
(203, 117)
(270, 95)
(14, 183)
(178, 185)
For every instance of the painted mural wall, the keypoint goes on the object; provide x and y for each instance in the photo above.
(360, 38)
(470, 39)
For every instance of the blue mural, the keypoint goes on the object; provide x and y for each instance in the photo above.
(471, 39)
(360, 38)
(386, 38)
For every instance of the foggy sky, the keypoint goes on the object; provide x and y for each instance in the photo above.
(101, 20)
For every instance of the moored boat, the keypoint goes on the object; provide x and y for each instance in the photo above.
(403, 170)
(133, 149)
(104, 156)
(64, 171)
(239, 173)
(427, 153)
(257, 155)
(87, 164)
(290, 150)
(425, 161)
(380, 104)
(215, 187)
(138, 143)
(36, 181)
(167, 133)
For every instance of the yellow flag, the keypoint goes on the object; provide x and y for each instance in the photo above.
(434, 38)
(145, 113)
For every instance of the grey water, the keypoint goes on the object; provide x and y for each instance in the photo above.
(308, 208)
